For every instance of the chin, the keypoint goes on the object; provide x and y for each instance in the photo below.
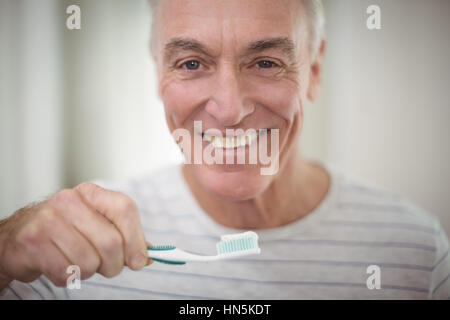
(233, 183)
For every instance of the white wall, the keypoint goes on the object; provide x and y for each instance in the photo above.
(387, 94)
(79, 105)
(116, 126)
(30, 102)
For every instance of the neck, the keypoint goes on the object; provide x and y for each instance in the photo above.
(297, 190)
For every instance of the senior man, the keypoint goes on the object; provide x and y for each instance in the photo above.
(231, 64)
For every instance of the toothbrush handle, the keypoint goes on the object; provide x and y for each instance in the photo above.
(178, 255)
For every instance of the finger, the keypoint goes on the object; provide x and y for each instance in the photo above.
(54, 265)
(103, 235)
(51, 262)
(78, 250)
(122, 211)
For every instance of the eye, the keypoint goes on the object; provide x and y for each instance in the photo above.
(266, 64)
(192, 64)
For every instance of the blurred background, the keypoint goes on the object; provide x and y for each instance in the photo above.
(79, 105)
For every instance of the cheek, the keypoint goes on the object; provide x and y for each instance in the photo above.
(283, 98)
(181, 99)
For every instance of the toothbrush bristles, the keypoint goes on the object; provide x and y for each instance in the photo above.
(238, 243)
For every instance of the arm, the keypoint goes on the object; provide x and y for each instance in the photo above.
(440, 275)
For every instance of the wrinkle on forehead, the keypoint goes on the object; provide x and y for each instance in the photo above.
(231, 24)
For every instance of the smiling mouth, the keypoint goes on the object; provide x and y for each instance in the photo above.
(234, 141)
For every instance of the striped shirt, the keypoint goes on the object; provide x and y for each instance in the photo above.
(325, 255)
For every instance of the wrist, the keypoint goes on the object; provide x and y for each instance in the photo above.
(4, 280)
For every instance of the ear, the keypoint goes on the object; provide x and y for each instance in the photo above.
(316, 72)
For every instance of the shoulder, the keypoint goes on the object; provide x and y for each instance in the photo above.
(360, 199)
(405, 239)
(377, 217)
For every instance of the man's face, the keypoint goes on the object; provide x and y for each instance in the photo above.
(234, 64)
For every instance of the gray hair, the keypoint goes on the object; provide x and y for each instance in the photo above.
(316, 15)
(314, 11)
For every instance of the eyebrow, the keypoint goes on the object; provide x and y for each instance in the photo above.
(285, 44)
(183, 44)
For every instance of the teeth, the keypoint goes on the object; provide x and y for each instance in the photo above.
(231, 142)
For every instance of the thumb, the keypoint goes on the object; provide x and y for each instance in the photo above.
(123, 212)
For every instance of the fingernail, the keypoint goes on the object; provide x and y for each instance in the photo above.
(139, 261)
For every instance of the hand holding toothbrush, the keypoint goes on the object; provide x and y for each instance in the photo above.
(96, 229)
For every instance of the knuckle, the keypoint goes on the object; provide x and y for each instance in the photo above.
(87, 188)
(64, 196)
(89, 265)
(89, 268)
(38, 228)
(113, 244)
(126, 205)
(58, 275)
(35, 230)
(47, 220)
(47, 214)
(112, 271)
(30, 235)
(115, 241)
(112, 253)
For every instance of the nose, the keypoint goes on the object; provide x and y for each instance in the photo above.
(227, 103)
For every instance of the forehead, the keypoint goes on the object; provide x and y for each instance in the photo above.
(236, 22)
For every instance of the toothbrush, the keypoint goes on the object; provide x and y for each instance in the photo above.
(230, 246)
